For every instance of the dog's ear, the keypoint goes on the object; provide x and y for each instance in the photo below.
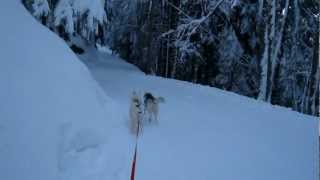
(161, 99)
(134, 94)
(139, 94)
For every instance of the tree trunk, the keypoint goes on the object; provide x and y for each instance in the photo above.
(195, 75)
(314, 79)
(274, 57)
(174, 66)
(264, 64)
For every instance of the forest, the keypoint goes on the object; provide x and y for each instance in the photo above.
(264, 49)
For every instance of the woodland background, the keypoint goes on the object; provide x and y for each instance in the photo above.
(264, 49)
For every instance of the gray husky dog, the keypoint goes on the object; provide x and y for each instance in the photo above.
(151, 107)
(135, 113)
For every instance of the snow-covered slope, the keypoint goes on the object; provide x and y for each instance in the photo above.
(49, 103)
(205, 133)
(56, 123)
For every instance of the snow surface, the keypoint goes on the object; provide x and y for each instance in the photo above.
(50, 105)
(205, 133)
(56, 123)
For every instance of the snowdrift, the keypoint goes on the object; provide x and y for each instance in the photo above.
(205, 133)
(56, 122)
(49, 101)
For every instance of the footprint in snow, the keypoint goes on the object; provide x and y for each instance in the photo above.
(80, 151)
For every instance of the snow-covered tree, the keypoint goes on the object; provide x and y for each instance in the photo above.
(39, 8)
(85, 18)
(64, 15)
(265, 49)
(81, 16)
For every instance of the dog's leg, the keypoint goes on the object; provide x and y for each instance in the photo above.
(139, 127)
(145, 113)
(156, 117)
(133, 127)
(140, 122)
(149, 117)
(156, 114)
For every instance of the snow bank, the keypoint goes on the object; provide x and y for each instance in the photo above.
(49, 102)
(205, 133)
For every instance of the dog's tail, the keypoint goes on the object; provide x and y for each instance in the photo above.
(161, 100)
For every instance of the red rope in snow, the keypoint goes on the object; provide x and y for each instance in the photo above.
(133, 168)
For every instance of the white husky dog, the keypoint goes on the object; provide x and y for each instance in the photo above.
(151, 107)
(135, 113)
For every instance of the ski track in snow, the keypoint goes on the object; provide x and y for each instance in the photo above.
(203, 133)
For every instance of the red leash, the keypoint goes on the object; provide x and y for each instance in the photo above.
(133, 169)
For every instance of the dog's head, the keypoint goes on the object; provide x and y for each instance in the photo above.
(148, 95)
(135, 99)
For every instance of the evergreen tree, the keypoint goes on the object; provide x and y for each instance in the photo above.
(265, 49)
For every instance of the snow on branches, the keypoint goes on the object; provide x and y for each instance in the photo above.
(82, 16)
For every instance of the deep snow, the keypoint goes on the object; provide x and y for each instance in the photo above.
(206, 133)
(49, 103)
(57, 123)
